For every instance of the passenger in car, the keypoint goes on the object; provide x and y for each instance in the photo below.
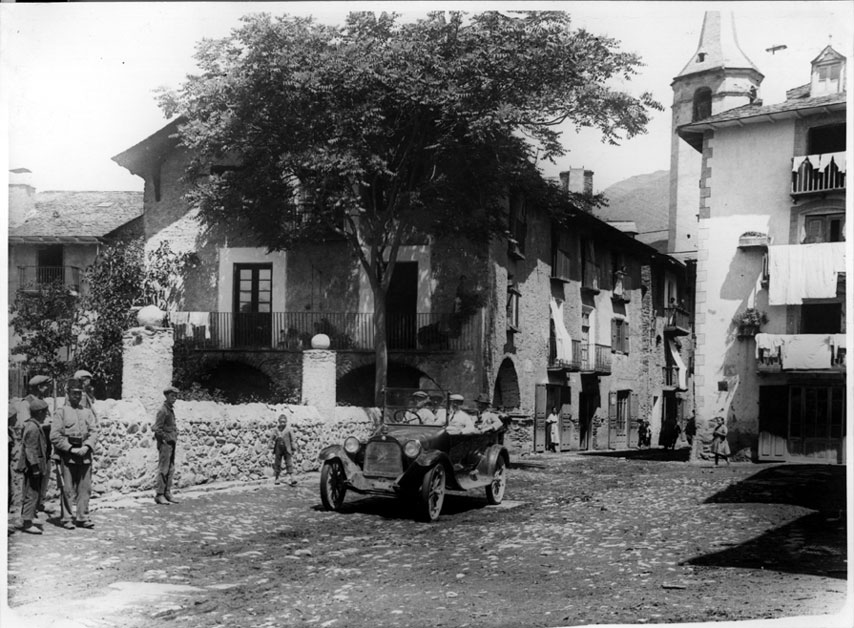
(486, 420)
(460, 421)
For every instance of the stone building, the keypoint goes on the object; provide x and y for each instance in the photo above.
(580, 316)
(769, 240)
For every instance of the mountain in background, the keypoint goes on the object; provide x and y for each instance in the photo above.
(644, 199)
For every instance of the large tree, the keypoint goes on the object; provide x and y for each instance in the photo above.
(378, 129)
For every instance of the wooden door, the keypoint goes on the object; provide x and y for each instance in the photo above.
(773, 422)
(540, 410)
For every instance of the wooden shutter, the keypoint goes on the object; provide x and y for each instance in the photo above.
(634, 409)
(625, 330)
(612, 411)
(540, 401)
(614, 335)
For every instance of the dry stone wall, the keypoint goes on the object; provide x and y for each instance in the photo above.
(216, 442)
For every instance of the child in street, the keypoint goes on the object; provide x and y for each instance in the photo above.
(283, 447)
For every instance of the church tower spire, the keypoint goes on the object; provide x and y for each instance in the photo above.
(717, 77)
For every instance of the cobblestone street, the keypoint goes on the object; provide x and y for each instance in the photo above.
(580, 539)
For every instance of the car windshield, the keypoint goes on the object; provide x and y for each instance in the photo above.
(415, 406)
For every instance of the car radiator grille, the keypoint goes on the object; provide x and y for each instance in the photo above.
(383, 459)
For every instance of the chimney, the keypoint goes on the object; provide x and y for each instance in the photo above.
(22, 196)
(577, 180)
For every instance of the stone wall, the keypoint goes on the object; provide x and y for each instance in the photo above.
(216, 442)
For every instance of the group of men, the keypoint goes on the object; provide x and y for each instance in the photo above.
(69, 439)
(459, 420)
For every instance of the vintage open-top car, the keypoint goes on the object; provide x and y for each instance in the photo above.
(411, 455)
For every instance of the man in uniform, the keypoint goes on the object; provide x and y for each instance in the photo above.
(39, 386)
(73, 436)
(486, 420)
(33, 463)
(166, 434)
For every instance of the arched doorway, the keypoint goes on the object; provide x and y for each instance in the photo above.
(506, 392)
(239, 383)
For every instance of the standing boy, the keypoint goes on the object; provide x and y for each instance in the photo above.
(33, 464)
(166, 435)
(283, 447)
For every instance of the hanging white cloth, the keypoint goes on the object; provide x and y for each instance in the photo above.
(770, 343)
(840, 159)
(804, 271)
(681, 371)
(200, 319)
(806, 351)
(563, 341)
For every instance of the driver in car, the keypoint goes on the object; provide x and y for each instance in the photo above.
(460, 421)
(419, 410)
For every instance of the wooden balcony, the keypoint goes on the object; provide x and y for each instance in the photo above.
(347, 331)
(590, 277)
(818, 174)
(596, 361)
(39, 279)
(677, 321)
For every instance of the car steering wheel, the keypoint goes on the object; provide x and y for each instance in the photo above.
(406, 416)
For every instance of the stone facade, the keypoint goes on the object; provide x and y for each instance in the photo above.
(147, 365)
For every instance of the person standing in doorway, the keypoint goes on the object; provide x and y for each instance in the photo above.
(73, 436)
(166, 435)
(720, 446)
(552, 426)
(33, 463)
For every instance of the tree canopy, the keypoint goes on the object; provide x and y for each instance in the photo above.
(375, 128)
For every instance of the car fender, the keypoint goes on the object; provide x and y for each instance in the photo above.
(427, 459)
(336, 452)
(490, 458)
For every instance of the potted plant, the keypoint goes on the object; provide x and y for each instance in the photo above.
(749, 321)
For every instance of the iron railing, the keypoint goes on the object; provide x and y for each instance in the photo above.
(293, 331)
(598, 360)
(809, 177)
(40, 278)
(572, 362)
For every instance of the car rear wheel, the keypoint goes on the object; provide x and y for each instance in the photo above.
(432, 493)
(495, 489)
(332, 486)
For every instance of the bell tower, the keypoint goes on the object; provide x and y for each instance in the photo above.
(717, 77)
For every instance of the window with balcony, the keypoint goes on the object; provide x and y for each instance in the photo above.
(589, 266)
(620, 335)
(824, 167)
(824, 228)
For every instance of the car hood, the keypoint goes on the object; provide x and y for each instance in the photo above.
(403, 433)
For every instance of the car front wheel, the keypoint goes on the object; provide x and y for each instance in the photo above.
(432, 493)
(495, 489)
(332, 486)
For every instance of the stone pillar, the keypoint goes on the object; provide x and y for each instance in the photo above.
(318, 377)
(147, 365)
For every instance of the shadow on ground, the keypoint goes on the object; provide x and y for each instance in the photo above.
(396, 508)
(658, 454)
(814, 544)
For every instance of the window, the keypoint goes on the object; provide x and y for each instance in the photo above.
(824, 228)
(513, 295)
(702, 104)
(562, 256)
(589, 267)
(827, 79)
(821, 318)
(829, 138)
(620, 335)
(623, 413)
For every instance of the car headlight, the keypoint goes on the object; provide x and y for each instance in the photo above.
(412, 448)
(352, 445)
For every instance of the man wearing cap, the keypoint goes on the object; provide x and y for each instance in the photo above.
(419, 411)
(33, 464)
(460, 421)
(39, 385)
(166, 434)
(88, 398)
(73, 435)
(486, 420)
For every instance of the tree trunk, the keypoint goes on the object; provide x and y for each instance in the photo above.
(380, 346)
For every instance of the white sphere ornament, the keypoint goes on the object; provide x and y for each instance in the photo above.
(320, 341)
(150, 315)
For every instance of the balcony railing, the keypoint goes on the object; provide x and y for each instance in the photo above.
(41, 278)
(292, 331)
(798, 352)
(572, 362)
(596, 361)
(677, 321)
(590, 277)
(814, 174)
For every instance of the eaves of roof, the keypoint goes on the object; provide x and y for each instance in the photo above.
(139, 157)
(759, 114)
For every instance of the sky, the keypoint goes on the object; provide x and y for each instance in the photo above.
(77, 79)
